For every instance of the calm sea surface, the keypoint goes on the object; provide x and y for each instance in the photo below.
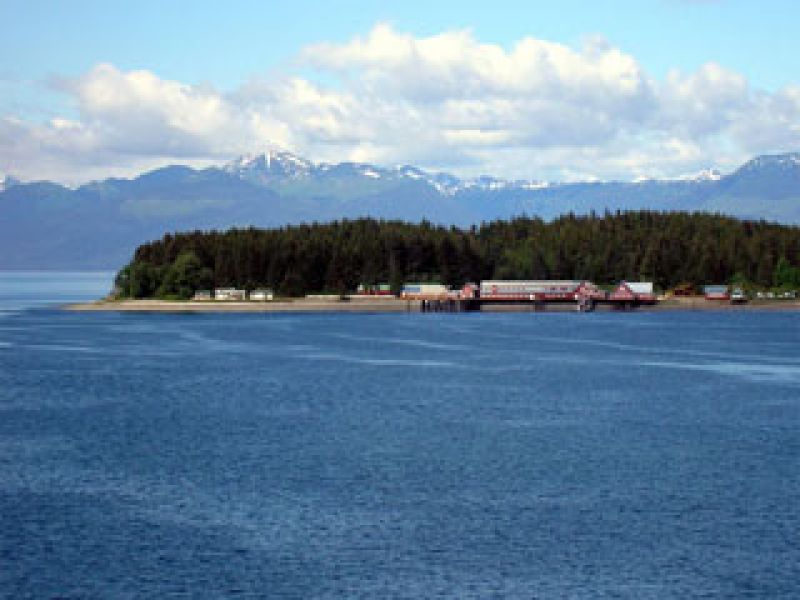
(395, 456)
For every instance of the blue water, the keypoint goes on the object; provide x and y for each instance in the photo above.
(637, 455)
(29, 289)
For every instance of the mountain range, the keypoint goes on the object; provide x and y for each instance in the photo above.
(44, 225)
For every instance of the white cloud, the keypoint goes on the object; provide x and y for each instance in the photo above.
(537, 109)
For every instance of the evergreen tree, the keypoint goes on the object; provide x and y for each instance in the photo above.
(668, 247)
(184, 277)
(786, 275)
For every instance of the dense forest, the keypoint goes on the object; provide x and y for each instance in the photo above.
(667, 248)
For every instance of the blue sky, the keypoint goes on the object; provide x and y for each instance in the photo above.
(50, 51)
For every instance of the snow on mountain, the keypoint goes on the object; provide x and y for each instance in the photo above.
(772, 161)
(444, 183)
(410, 172)
(704, 175)
(99, 225)
(485, 182)
(270, 165)
(708, 175)
(274, 167)
(532, 185)
(369, 171)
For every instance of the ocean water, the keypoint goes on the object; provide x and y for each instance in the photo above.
(530, 455)
(31, 289)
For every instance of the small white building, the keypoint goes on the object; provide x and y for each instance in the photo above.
(202, 296)
(640, 287)
(229, 294)
(262, 295)
(411, 291)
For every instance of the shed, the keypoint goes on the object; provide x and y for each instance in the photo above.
(230, 294)
(378, 289)
(684, 289)
(716, 292)
(424, 291)
(262, 295)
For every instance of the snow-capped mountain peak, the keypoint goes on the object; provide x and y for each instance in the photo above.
(790, 160)
(275, 166)
(278, 166)
(269, 165)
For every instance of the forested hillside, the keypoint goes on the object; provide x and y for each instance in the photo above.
(667, 248)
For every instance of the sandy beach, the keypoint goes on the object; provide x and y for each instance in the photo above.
(367, 305)
(386, 305)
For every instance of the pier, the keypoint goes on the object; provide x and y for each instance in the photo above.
(532, 296)
(437, 305)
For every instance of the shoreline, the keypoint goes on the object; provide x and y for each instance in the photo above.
(394, 305)
(278, 306)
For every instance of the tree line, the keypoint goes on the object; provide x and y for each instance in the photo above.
(666, 248)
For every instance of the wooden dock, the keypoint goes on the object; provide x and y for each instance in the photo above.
(582, 304)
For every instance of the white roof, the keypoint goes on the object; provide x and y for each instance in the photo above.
(541, 282)
(640, 287)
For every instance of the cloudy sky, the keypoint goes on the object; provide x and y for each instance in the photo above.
(566, 90)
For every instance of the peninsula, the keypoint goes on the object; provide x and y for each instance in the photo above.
(321, 266)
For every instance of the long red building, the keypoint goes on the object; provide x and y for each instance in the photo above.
(540, 290)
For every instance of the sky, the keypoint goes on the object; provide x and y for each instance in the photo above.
(539, 90)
